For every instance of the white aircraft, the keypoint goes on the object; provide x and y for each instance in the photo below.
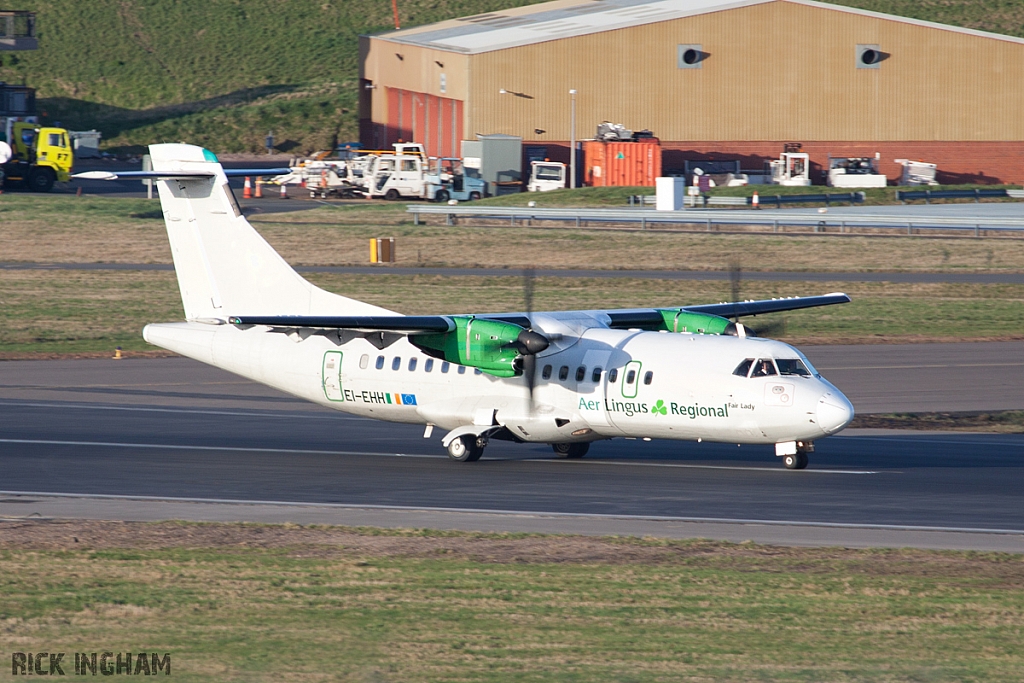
(566, 378)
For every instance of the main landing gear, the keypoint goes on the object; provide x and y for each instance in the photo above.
(467, 448)
(570, 450)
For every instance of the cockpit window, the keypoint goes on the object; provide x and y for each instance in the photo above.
(743, 369)
(764, 367)
(792, 366)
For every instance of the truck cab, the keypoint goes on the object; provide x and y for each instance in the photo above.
(41, 156)
(546, 176)
(448, 179)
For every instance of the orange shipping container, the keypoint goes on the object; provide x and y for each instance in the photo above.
(621, 163)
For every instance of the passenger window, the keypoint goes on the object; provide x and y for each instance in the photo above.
(649, 377)
(408, 164)
(792, 366)
(546, 372)
(54, 139)
(563, 373)
(462, 369)
(596, 377)
(581, 373)
(764, 368)
(630, 376)
(429, 365)
(743, 369)
(613, 375)
(380, 362)
(364, 360)
(412, 364)
(444, 367)
(396, 363)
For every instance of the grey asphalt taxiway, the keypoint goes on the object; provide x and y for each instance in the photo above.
(170, 438)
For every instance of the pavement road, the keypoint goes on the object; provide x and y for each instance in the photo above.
(173, 429)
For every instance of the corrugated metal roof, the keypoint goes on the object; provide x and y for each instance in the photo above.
(553, 20)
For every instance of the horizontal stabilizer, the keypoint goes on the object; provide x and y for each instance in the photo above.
(160, 175)
(383, 323)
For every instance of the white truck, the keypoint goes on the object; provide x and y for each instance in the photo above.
(411, 174)
(546, 176)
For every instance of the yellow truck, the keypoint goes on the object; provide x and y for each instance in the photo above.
(41, 156)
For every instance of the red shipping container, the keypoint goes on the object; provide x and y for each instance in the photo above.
(607, 164)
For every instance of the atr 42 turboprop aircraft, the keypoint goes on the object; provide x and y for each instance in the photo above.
(566, 378)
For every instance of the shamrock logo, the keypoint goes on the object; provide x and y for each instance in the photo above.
(659, 408)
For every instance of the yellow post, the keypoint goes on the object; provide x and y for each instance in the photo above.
(373, 250)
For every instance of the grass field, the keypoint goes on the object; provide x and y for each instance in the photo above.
(258, 603)
(71, 312)
(63, 228)
(223, 73)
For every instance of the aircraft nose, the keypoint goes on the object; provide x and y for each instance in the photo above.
(834, 411)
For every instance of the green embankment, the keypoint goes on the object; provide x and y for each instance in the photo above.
(222, 73)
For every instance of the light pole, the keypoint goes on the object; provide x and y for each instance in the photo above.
(572, 139)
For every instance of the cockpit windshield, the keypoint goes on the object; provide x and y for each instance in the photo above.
(768, 367)
(792, 366)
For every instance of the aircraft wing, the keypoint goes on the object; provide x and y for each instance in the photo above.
(620, 318)
(386, 323)
(640, 317)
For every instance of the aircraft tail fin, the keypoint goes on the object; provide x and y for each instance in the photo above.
(224, 267)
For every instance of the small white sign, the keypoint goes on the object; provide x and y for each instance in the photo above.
(471, 162)
(444, 83)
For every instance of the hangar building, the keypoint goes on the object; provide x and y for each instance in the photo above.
(712, 79)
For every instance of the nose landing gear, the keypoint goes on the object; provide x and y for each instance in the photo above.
(794, 453)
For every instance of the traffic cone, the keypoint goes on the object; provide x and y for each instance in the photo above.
(247, 189)
(259, 188)
(755, 200)
(284, 191)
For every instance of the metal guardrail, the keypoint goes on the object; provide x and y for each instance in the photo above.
(709, 221)
(764, 199)
(976, 194)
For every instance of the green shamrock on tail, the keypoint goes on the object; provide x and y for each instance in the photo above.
(659, 408)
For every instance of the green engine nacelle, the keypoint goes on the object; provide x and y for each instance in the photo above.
(681, 320)
(490, 345)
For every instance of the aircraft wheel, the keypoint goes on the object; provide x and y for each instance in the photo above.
(465, 449)
(797, 461)
(391, 195)
(441, 196)
(42, 180)
(570, 450)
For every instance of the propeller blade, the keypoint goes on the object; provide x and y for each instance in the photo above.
(538, 341)
(735, 279)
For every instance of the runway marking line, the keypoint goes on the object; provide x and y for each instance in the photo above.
(302, 451)
(692, 467)
(237, 413)
(924, 367)
(519, 513)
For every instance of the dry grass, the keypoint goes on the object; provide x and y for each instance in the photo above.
(95, 229)
(73, 312)
(254, 603)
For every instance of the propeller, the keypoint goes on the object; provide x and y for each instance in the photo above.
(769, 328)
(533, 342)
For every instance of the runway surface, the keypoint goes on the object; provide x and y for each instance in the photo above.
(694, 275)
(173, 429)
